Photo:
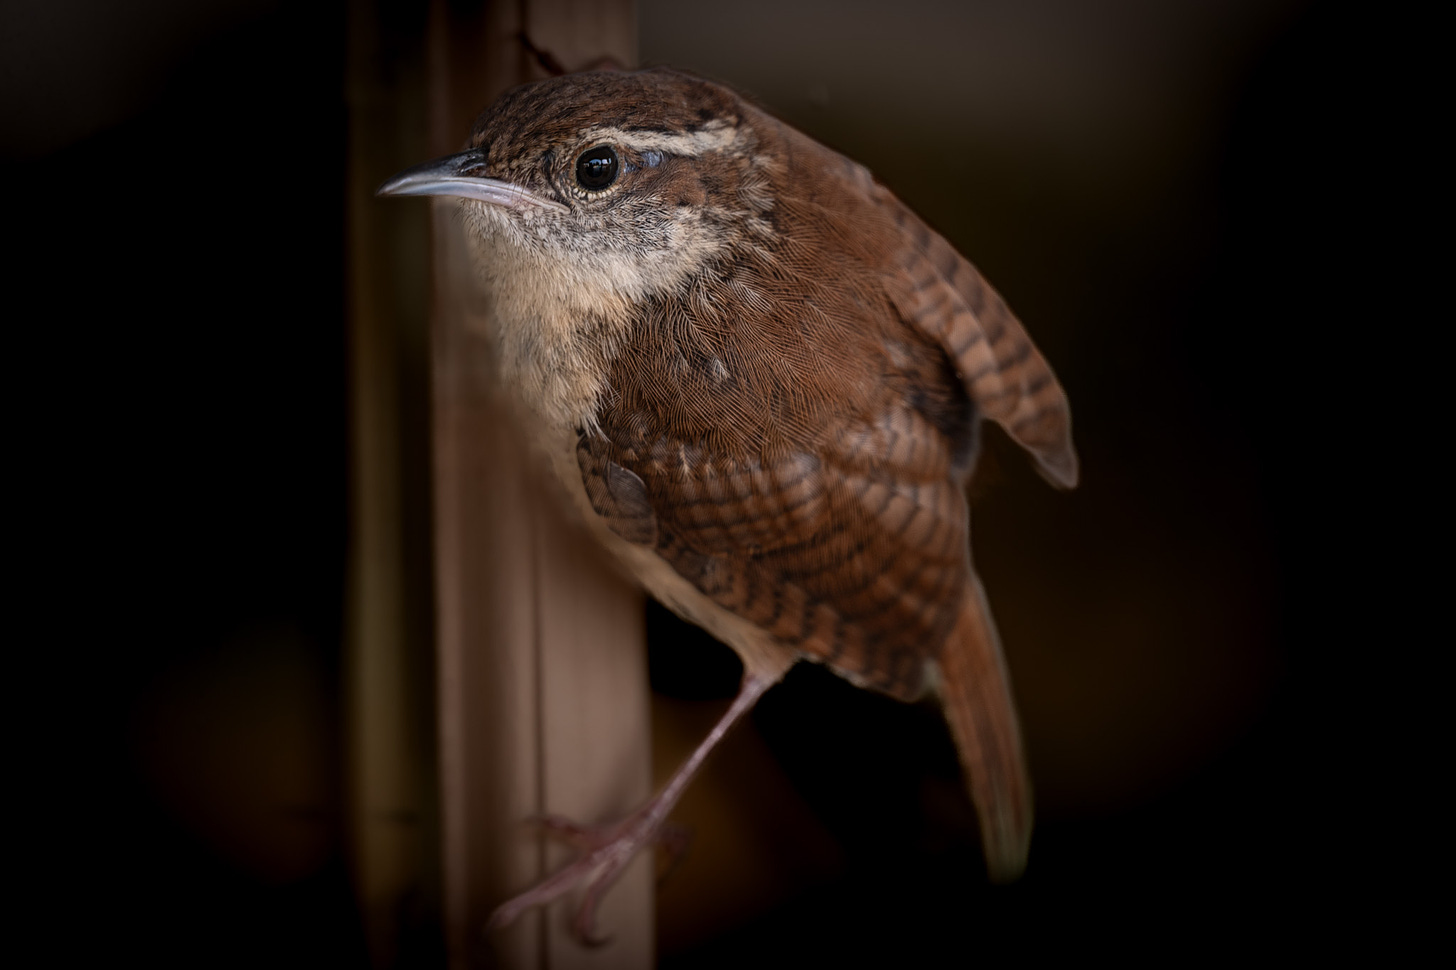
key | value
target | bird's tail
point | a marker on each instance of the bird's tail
(975, 692)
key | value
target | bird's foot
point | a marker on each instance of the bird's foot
(605, 851)
(670, 837)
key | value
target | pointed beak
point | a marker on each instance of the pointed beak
(447, 176)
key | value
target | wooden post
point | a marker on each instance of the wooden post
(543, 704)
(496, 667)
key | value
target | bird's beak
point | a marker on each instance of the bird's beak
(446, 176)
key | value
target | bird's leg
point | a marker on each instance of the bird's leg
(610, 851)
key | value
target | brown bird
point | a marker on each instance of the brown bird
(761, 378)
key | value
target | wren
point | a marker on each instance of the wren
(761, 378)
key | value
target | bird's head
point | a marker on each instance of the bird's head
(614, 187)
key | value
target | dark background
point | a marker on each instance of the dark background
(1187, 205)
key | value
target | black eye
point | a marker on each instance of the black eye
(596, 168)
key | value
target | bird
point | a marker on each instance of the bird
(761, 380)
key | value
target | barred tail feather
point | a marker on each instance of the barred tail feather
(975, 692)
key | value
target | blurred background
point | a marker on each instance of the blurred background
(1179, 200)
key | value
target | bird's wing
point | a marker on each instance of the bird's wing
(940, 292)
(842, 534)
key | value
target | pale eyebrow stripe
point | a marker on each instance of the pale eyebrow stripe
(716, 136)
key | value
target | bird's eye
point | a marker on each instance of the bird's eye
(596, 168)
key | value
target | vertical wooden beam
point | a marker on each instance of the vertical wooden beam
(542, 673)
(535, 692)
